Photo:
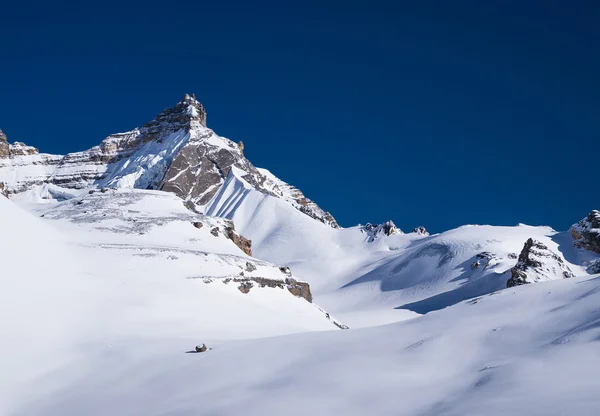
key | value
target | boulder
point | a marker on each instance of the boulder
(245, 287)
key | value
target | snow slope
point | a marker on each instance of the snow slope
(367, 282)
(529, 350)
(101, 268)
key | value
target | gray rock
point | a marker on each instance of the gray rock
(586, 232)
(537, 263)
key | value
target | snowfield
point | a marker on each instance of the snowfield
(532, 350)
(109, 291)
(119, 260)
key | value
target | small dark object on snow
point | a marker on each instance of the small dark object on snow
(198, 224)
(201, 348)
(104, 190)
(91, 191)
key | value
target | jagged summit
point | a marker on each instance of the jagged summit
(186, 113)
(175, 152)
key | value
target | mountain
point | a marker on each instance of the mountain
(119, 260)
(174, 152)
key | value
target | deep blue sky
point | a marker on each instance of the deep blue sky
(438, 113)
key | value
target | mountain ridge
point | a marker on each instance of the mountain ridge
(174, 152)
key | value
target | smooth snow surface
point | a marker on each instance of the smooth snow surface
(528, 351)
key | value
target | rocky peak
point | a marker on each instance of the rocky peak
(587, 232)
(175, 152)
(420, 230)
(374, 230)
(537, 263)
(185, 114)
(16, 149)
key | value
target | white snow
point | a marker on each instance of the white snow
(104, 292)
(531, 350)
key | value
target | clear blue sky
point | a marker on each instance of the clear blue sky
(437, 113)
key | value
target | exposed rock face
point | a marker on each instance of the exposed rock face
(245, 287)
(4, 147)
(16, 149)
(21, 149)
(483, 260)
(3, 190)
(299, 289)
(175, 152)
(295, 287)
(243, 243)
(537, 263)
(374, 230)
(587, 232)
(201, 348)
(420, 231)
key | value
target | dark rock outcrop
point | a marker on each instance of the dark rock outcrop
(374, 230)
(482, 260)
(4, 146)
(243, 243)
(299, 289)
(201, 348)
(537, 263)
(420, 230)
(587, 232)
(3, 190)
(295, 287)
(245, 287)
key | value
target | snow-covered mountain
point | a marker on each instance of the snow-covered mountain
(174, 152)
(166, 236)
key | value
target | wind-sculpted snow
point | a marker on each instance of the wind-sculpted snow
(528, 350)
(166, 237)
(366, 280)
(125, 264)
